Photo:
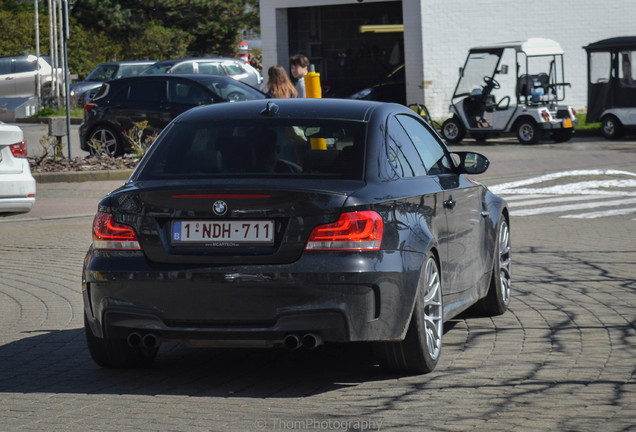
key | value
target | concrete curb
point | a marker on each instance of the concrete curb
(44, 120)
(82, 176)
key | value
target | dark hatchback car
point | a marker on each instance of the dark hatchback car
(158, 99)
(83, 91)
(295, 222)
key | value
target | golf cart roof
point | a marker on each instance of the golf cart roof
(531, 47)
(612, 43)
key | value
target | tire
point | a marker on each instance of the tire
(497, 299)
(115, 353)
(563, 135)
(528, 131)
(611, 127)
(421, 348)
(110, 140)
(453, 130)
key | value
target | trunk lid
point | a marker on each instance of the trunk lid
(246, 222)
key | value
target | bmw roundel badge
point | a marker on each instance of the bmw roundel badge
(220, 207)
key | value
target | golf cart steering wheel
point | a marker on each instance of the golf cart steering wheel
(491, 82)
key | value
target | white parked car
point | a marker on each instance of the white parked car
(17, 185)
(18, 75)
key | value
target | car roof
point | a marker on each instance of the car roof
(191, 77)
(127, 62)
(341, 109)
(197, 59)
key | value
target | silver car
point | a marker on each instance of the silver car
(230, 67)
(17, 185)
(18, 75)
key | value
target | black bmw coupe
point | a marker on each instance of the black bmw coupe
(293, 223)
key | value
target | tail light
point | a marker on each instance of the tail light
(573, 112)
(88, 107)
(546, 115)
(353, 231)
(108, 234)
(19, 150)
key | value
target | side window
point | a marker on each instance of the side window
(401, 153)
(627, 68)
(118, 96)
(211, 68)
(433, 155)
(185, 68)
(184, 92)
(147, 90)
(5, 66)
(233, 69)
(600, 67)
(24, 65)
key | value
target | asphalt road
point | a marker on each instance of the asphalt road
(561, 359)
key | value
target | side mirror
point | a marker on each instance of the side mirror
(471, 162)
(503, 70)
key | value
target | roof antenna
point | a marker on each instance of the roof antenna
(270, 110)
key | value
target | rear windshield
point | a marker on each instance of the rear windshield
(262, 148)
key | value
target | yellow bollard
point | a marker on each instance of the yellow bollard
(312, 83)
(313, 90)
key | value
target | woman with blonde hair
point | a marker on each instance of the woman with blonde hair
(278, 83)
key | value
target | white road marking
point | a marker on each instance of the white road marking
(552, 200)
(514, 187)
(596, 193)
(593, 215)
(564, 208)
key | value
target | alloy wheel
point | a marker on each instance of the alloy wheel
(505, 263)
(433, 308)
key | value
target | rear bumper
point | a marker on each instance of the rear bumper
(352, 298)
(17, 192)
(558, 124)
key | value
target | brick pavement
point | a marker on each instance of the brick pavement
(562, 358)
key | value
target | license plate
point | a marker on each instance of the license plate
(223, 233)
(567, 123)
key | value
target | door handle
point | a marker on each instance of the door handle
(450, 204)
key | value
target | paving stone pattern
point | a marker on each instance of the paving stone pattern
(562, 358)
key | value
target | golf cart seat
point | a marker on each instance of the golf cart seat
(526, 83)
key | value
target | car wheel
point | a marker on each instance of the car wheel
(563, 135)
(453, 130)
(498, 298)
(421, 348)
(109, 142)
(611, 127)
(116, 353)
(528, 132)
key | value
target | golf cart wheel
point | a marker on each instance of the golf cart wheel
(611, 127)
(528, 131)
(453, 130)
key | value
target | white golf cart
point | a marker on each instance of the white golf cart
(611, 88)
(512, 87)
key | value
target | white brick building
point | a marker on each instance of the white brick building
(437, 35)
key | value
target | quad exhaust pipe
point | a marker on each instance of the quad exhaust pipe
(136, 339)
(307, 341)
